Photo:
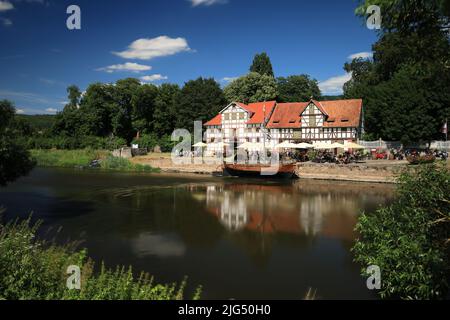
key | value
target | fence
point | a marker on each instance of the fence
(440, 145)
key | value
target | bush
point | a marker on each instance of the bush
(73, 143)
(150, 141)
(409, 239)
(32, 269)
(121, 164)
(66, 158)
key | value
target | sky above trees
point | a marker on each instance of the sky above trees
(174, 41)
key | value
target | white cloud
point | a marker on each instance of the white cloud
(5, 6)
(228, 79)
(146, 49)
(153, 77)
(6, 22)
(363, 55)
(129, 66)
(334, 85)
(196, 3)
(51, 110)
(20, 111)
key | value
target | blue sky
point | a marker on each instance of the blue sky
(169, 41)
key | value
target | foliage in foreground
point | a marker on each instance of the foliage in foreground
(82, 158)
(409, 239)
(33, 269)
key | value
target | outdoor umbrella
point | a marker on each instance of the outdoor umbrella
(352, 145)
(200, 145)
(304, 146)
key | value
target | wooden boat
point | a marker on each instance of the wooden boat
(284, 171)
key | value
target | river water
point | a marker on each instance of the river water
(240, 239)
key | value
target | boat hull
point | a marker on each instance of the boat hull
(258, 171)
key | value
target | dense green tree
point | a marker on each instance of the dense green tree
(198, 100)
(253, 87)
(297, 88)
(122, 120)
(15, 160)
(262, 65)
(403, 87)
(409, 239)
(143, 102)
(164, 118)
(74, 95)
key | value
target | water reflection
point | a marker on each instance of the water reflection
(238, 238)
(321, 209)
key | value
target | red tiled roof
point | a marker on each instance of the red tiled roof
(257, 109)
(337, 111)
(285, 113)
(216, 121)
(341, 110)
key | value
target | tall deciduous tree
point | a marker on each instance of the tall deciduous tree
(403, 87)
(164, 118)
(297, 88)
(198, 100)
(262, 65)
(253, 87)
(15, 160)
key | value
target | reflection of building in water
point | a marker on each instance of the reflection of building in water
(233, 211)
(274, 209)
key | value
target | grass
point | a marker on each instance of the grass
(82, 158)
(32, 269)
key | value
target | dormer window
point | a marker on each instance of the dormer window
(344, 120)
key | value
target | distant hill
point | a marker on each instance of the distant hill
(38, 122)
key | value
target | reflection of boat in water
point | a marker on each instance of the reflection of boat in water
(285, 171)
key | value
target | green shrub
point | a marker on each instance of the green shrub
(150, 141)
(121, 164)
(66, 158)
(33, 269)
(409, 239)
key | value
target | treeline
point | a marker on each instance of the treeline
(106, 116)
(405, 87)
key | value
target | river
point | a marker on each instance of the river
(239, 239)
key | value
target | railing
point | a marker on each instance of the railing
(381, 144)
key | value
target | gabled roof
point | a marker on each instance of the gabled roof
(287, 115)
(258, 112)
(216, 121)
(345, 113)
(338, 113)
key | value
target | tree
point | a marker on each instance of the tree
(253, 87)
(15, 160)
(262, 65)
(164, 118)
(143, 102)
(297, 88)
(74, 95)
(409, 239)
(123, 93)
(403, 87)
(199, 99)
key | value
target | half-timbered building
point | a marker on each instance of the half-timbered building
(271, 123)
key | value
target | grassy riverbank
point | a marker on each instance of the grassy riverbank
(82, 158)
(32, 269)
